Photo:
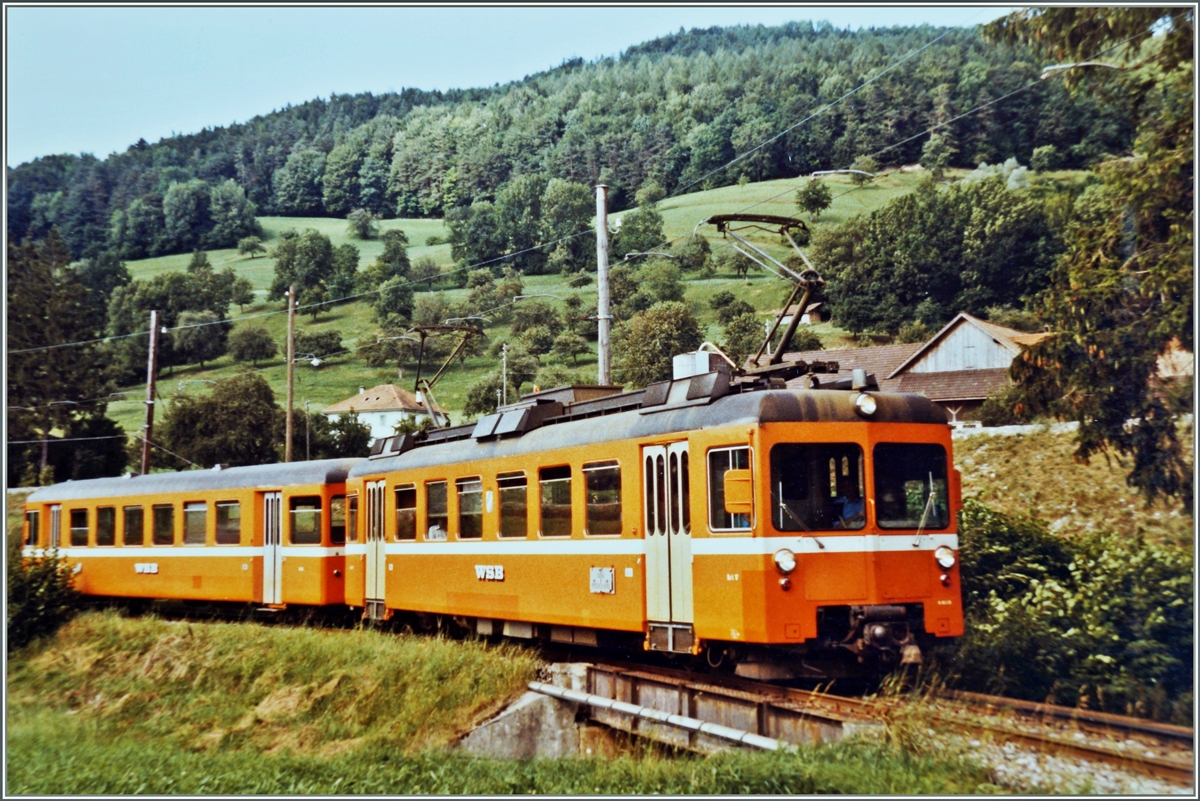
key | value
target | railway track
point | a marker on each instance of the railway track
(704, 712)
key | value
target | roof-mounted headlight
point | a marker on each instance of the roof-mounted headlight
(865, 404)
(785, 561)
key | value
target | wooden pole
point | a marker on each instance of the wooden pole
(291, 369)
(151, 377)
(603, 318)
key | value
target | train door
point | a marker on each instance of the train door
(376, 559)
(272, 552)
(55, 525)
(668, 546)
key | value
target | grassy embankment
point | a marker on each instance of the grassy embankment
(342, 375)
(114, 705)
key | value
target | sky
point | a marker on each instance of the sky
(96, 79)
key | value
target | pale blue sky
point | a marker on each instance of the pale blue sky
(95, 79)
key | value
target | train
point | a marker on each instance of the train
(778, 532)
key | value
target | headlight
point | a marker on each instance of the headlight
(864, 404)
(945, 557)
(785, 561)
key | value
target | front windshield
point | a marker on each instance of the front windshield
(817, 486)
(910, 486)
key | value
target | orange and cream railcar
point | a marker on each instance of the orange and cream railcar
(271, 535)
(686, 517)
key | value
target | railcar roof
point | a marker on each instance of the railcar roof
(324, 471)
(751, 408)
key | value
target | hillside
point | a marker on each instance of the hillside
(342, 375)
(674, 110)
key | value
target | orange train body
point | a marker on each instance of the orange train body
(772, 526)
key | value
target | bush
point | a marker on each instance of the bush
(1104, 621)
(251, 344)
(735, 308)
(321, 344)
(40, 596)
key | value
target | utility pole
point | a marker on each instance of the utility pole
(603, 318)
(307, 447)
(151, 376)
(291, 373)
(504, 373)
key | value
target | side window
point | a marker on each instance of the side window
(195, 522)
(79, 527)
(337, 520)
(556, 501)
(470, 508)
(406, 512)
(514, 505)
(106, 525)
(306, 520)
(32, 527)
(164, 524)
(229, 523)
(352, 518)
(602, 484)
(135, 526)
(720, 461)
(437, 515)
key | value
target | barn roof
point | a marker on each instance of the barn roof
(956, 385)
(324, 471)
(383, 398)
(1008, 338)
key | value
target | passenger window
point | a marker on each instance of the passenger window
(79, 527)
(602, 483)
(352, 518)
(32, 527)
(337, 520)
(436, 513)
(514, 504)
(306, 520)
(195, 522)
(720, 461)
(135, 526)
(106, 525)
(164, 524)
(556, 501)
(406, 512)
(470, 508)
(229, 523)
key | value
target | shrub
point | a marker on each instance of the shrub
(1103, 621)
(251, 344)
(40, 596)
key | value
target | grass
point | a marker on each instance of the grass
(1036, 474)
(113, 705)
(341, 376)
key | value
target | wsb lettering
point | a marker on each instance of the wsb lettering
(489, 572)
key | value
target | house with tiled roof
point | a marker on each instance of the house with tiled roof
(959, 367)
(383, 407)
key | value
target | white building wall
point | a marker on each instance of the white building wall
(965, 348)
(382, 424)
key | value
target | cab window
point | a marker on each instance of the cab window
(337, 520)
(910, 486)
(817, 486)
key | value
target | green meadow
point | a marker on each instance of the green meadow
(342, 375)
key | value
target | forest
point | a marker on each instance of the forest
(673, 111)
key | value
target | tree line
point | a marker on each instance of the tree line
(670, 111)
